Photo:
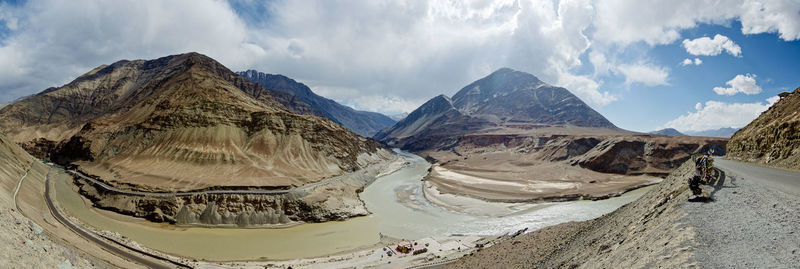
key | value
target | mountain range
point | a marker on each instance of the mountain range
(363, 123)
(725, 132)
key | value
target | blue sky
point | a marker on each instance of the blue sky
(624, 58)
(771, 59)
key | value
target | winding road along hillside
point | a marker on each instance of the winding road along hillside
(753, 220)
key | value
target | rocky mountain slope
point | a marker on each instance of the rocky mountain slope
(503, 99)
(181, 122)
(363, 123)
(667, 131)
(186, 122)
(773, 138)
(516, 112)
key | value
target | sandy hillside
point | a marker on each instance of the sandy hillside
(24, 243)
(647, 233)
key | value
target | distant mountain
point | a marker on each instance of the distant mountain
(363, 123)
(668, 131)
(726, 132)
(399, 117)
(3, 105)
(773, 138)
(503, 99)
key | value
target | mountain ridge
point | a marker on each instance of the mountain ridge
(503, 99)
(186, 110)
(364, 123)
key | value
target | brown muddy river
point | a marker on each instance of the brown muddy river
(396, 201)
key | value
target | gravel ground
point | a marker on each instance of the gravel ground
(746, 226)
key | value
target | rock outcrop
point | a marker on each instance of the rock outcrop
(363, 123)
(335, 199)
(773, 138)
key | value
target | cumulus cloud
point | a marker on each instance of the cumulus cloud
(688, 61)
(711, 47)
(714, 115)
(59, 40)
(658, 22)
(646, 74)
(740, 84)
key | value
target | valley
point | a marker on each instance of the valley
(180, 162)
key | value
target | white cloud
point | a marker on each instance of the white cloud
(658, 22)
(782, 17)
(585, 87)
(740, 84)
(58, 40)
(387, 104)
(395, 49)
(646, 74)
(688, 61)
(716, 114)
(712, 47)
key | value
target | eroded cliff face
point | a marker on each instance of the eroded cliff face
(773, 138)
(620, 153)
(333, 199)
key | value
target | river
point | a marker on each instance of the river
(396, 201)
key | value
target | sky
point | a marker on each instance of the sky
(686, 64)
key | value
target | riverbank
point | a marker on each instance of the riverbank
(649, 232)
(399, 210)
(332, 199)
(551, 182)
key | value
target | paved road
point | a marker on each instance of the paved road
(91, 236)
(777, 179)
(752, 221)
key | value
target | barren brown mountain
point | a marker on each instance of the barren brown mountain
(180, 122)
(511, 137)
(773, 138)
(186, 122)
